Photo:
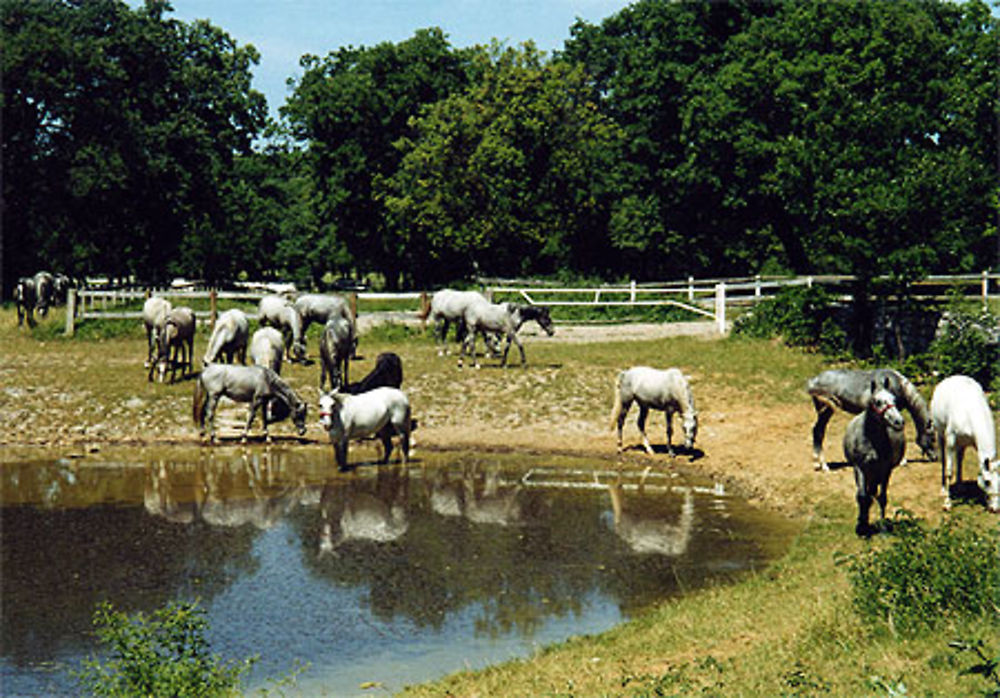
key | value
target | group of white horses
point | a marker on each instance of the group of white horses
(959, 417)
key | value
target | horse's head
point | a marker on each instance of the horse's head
(299, 350)
(545, 321)
(690, 428)
(927, 441)
(883, 405)
(299, 416)
(329, 409)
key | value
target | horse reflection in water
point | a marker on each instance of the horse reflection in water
(647, 534)
(223, 492)
(349, 514)
(481, 498)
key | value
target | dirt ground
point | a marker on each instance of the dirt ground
(76, 398)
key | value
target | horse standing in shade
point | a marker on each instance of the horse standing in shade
(505, 319)
(267, 348)
(383, 412)
(874, 445)
(44, 292)
(850, 390)
(652, 388)
(229, 338)
(177, 338)
(257, 385)
(387, 373)
(25, 298)
(275, 311)
(154, 317)
(335, 347)
(962, 418)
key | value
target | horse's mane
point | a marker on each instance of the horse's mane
(913, 401)
(281, 388)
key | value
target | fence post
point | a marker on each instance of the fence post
(756, 288)
(986, 289)
(213, 308)
(720, 306)
(70, 312)
(354, 305)
(425, 309)
(631, 292)
(691, 289)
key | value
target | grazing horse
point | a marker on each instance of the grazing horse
(154, 317)
(44, 292)
(849, 390)
(448, 306)
(382, 412)
(962, 418)
(229, 338)
(25, 297)
(504, 318)
(335, 347)
(275, 311)
(257, 385)
(267, 348)
(177, 335)
(388, 373)
(321, 308)
(874, 445)
(652, 388)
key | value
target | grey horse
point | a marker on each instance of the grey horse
(874, 445)
(154, 316)
(652, 388)
(229, 338)
(336, 345)
(321, 308)
(275, 311)
(257, 385)
(176, 338)
(503, 318)
(25, 298)
(850, 390)
(448, 307)
(267, 348)
(45, 291)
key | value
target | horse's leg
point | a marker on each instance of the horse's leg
(824, 412)
(441, 335)
(883, 497)
(322, 373)
(947, 446)
(386, 437)
(864, 500)
(641, 423)
(340, 453)
(213, 401)
(517, 341)
(668, 416)
(264, 410)
(251, 411)
(622, 413)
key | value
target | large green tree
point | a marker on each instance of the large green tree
(120, 128)
(514, 175)
(349, 108)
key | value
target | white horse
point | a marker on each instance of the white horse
(267, 348)
(503, 319)
(154, 315)
(229, 338)
(278, 312)
(448, 306)
(176, 340)
(666, 390)
(381, 412)
(874, 444)
(962, 418)
(257, 385)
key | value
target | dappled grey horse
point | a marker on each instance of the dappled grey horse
(229, 338)
(336, 345)
(176, 340)
(874, 445)
(257, 385)
(25, 298)
(447, 307)
(275, 311)
(154, 316)
(504, 319)
(323, 307)
(267, 348)
(850, 390)
(652, 388)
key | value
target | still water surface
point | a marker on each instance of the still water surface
(391, 575)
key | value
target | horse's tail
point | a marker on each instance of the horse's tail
(198, 404)
(616, 409)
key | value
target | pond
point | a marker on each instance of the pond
(384, 575)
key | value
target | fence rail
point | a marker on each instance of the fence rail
(704, 297)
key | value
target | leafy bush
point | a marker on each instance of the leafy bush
(800, 315)
(165, 654)
(927, 576)
(966, 346)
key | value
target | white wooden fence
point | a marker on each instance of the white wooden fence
(708, 298)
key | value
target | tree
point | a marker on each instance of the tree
(350, 107)
(120, 131)
(512, 176)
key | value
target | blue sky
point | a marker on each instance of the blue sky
(284, 30)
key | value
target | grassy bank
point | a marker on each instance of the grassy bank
(788, 630)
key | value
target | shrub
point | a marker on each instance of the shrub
(927, 576)
(165, 654)
(968, 345)
(800, 315)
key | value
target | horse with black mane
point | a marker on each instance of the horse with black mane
(502, 318)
